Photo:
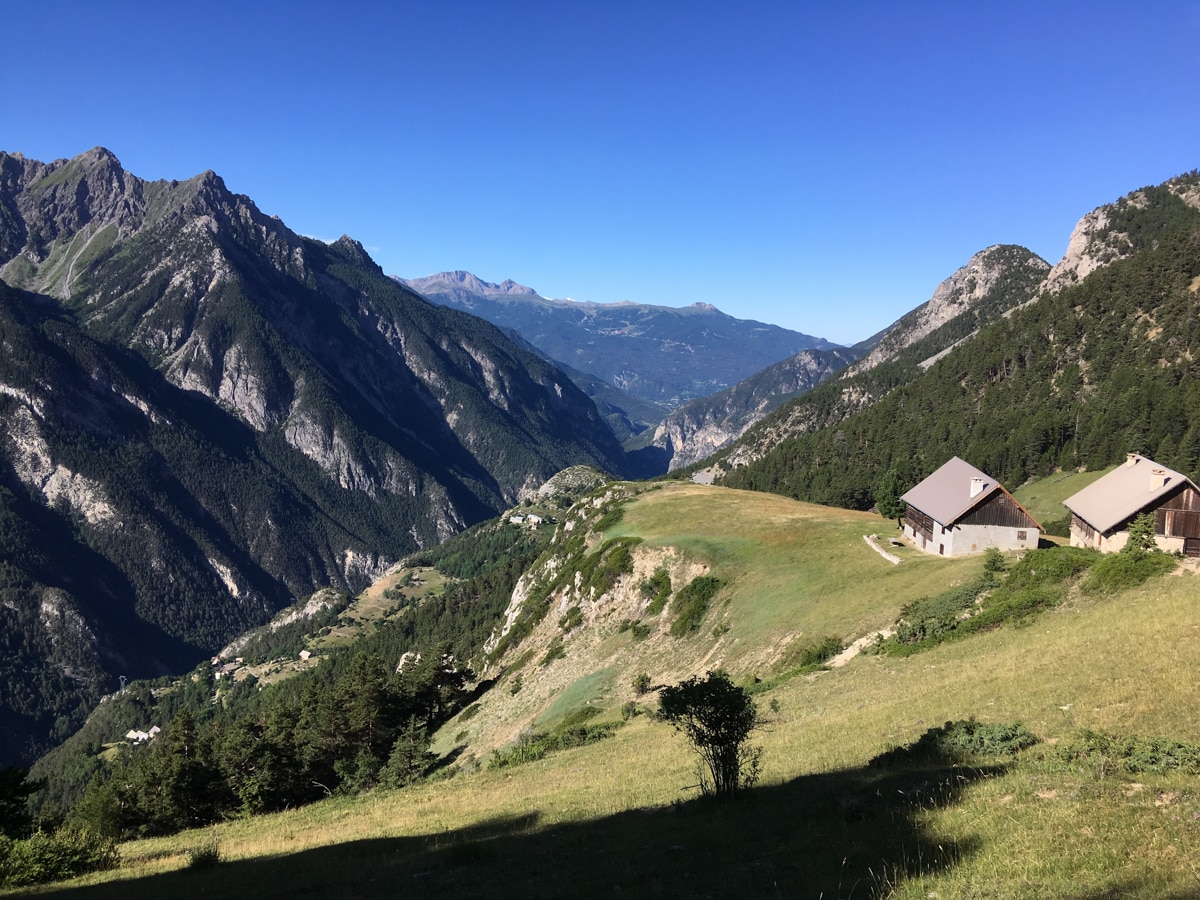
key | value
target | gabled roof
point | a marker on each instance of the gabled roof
(945, 496)
(1124, 492)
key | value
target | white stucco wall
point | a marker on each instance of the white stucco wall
(963, 540)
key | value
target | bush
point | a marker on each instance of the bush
(571, 732)
(657, 588)
(205, 856)
(1058, 527)
(717, 718)
(1116, 572)
(929, 619)
(571, 619)
(993, 561)
(45, 857)
(692, 602)
(556, 650)
(1132, 754)
(961, 742)
(636, 628)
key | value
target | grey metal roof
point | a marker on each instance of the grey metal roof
(946, 494)
(1124, 492)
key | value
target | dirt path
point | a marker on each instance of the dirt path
(858, 646)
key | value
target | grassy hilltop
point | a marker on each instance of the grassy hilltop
(1063, 818)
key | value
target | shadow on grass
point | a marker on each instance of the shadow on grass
(852, 833)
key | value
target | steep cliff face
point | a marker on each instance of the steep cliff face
(1101, 237)
(230, 415)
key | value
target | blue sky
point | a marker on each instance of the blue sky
(819, 166)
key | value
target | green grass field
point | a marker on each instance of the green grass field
(621, 817)
(1043, 498)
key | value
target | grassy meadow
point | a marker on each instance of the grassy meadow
(621, 817)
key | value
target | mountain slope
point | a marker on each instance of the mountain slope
(228, 415)
(1078, 378)
(659, 354)
(992, 282)
(700, 427)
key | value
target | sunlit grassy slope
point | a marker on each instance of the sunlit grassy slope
(1043, 498)
(620, 817)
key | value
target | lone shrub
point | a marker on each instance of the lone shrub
(993, 561)
(717, 717)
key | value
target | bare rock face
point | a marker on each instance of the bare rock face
(1095, 243)
(958, 294)
(1092, 246)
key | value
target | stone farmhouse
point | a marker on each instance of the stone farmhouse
(959, 510)
(1102, 511)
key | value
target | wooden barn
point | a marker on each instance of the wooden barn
(1102, 511)
(959, 510)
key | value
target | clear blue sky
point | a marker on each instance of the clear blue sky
(820, 166)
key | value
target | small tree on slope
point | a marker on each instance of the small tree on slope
(717, 717)
(887, 496)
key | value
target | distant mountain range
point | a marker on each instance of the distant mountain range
(206, 415)
(663, 355)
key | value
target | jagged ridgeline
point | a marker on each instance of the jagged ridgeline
(206, 415)
(1103, 362)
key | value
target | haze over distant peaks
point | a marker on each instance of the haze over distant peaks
(662, 354)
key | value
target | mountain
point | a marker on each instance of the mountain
(625, 414)
(991, 283)
(700, 427)
(659, 354)
(207, 415)
(1098, 362)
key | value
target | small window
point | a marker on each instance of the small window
(1021, 535)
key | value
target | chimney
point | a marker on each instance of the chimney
(1131, 459)
(1158, 478)
(976, 486)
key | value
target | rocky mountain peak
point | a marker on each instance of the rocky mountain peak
(965, 290)
(54, 201)
(1097, 242)
(356, 252)
(464, 281)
